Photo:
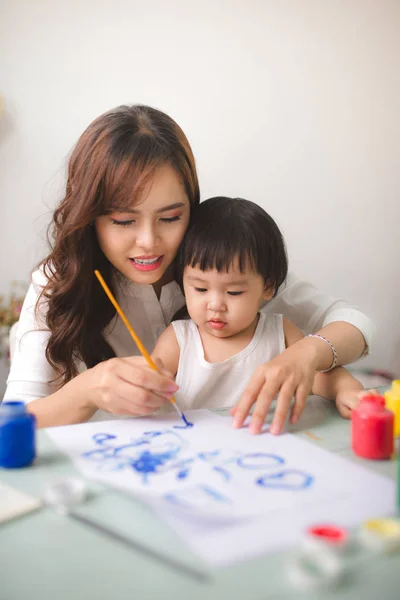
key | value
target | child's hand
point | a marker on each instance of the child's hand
(348, 400)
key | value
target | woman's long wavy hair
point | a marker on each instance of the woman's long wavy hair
(109, 167)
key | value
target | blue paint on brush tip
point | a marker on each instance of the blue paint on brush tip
(186, 425)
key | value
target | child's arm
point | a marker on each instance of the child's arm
(338, 385)
(167, 351)
(341, 386)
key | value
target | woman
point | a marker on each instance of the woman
(131, 185)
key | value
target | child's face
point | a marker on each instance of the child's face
(226, 303)
(143, 241)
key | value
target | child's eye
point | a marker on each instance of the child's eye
(122, 223)
(170, 219)
(235, 293)
(200, 289)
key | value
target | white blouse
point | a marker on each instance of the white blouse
(31, 375)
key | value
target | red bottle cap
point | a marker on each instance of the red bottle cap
(329, 534)
(372, 399)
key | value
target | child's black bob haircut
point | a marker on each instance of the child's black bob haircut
(223, 229)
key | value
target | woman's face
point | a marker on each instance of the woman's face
(142, 242)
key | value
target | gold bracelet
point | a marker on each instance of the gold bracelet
(331, 346)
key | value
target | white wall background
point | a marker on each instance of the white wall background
(293, 104)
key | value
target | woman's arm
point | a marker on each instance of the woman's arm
(32, 379)
(67, 406)
(31, 376)
(338, 385)
(348, 341)
(292, 372)
(120, 386)
(349, 330)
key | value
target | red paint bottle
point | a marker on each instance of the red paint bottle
(372, 428)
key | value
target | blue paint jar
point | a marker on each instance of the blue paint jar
(17, 435)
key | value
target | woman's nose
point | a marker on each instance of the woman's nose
(146, 238)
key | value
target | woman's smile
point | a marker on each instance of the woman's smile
(146, 263)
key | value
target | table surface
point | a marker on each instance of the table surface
(47, 556)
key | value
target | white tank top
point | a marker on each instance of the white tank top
(215, 385)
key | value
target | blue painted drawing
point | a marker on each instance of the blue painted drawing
(146, 455)
(196, 495)
(259, 460)
(288, 479)
(159, 452)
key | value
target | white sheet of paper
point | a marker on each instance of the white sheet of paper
(231, 495)
(14, 503)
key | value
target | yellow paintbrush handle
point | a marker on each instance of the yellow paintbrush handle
(127, 324)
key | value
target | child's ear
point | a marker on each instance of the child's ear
(269, 292)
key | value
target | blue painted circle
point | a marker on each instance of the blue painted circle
(259, 460)
(288, 479)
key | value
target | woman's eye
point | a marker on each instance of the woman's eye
(170, 219)
(122, 223)
(200, 289)
(235, 293)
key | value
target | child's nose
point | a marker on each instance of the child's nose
(216, 303)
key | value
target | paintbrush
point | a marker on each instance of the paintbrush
(136, 339)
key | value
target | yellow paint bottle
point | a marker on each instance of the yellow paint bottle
(392, 401)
